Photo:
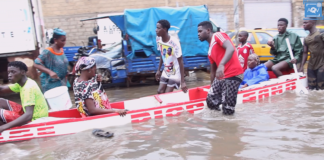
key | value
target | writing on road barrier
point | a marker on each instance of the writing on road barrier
(268, 91)
(29, 132)
(166, 112)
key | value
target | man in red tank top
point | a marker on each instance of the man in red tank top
(225, 66)
(244, 49)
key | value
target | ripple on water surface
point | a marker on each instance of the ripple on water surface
(282, 127)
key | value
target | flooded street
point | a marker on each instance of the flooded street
(280, 127)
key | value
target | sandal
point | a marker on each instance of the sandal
(102, 133)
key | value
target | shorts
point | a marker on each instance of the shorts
(275, 61)
(15, 111)
(315, 78)
(224, 92)
(170, 82)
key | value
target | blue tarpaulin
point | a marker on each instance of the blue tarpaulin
(140, 25)
(119, 21)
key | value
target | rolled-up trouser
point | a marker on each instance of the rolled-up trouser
(224, 92)
(316, 78)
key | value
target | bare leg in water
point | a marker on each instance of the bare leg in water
(3, 105)
(277, 68)
(169, 89)
(162, 88)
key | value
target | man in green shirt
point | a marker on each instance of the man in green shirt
(279, 49)
(33, 102)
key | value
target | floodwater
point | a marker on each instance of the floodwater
(280, 127)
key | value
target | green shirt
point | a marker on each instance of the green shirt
(31, 95)
(281, 51)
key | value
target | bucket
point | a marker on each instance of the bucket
(58, 98)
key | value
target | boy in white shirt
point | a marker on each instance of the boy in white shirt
(171, 55)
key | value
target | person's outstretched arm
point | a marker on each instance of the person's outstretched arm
(23, 119)
(304, 58)
(183, 83)
(93, 110)
(5, 90)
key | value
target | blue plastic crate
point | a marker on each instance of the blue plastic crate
(118, 73)
(70, 52)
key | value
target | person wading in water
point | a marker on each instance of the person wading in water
(225, 66)
(313, 43)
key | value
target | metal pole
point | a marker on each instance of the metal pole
(236, 20)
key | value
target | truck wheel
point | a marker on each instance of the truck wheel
(128, 81)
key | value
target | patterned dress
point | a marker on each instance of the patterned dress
(56, 62)
(90, 89)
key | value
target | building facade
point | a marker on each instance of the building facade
(67, 14)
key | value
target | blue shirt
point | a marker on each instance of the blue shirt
(256, 75)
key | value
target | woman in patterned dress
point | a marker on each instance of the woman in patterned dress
(90, 97)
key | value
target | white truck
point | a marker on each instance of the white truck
(22, 34)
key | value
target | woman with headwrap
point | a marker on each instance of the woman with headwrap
(255, 73)
(53, 63)
(90, 97)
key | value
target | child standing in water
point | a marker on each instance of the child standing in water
(244, 49)
(173, 73)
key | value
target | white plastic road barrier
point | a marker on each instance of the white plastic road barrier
(300, 89)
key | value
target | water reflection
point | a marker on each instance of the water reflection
(280, 127)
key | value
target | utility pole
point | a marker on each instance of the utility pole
(236, 20)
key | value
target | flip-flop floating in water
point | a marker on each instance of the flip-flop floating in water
(102, 133)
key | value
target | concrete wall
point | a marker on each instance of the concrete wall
(299, 13)
(67, 14)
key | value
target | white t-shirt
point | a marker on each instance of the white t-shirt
(170, 52)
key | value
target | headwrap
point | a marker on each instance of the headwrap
(256, 57)
(85, 63)
(56, 34)
(59, 32)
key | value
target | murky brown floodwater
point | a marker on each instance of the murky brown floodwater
(281, 127)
